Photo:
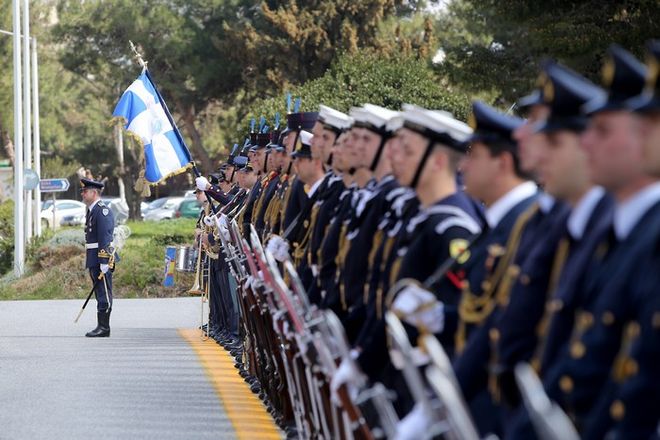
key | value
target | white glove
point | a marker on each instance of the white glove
(414, 425)
(349, 375)
(420, 308)
(248, 281)
(222, 228)
(105, 268)
(202, 183)
(208, 220)
(223, 221)
(279, 247)
(272, 244)
(256, 281)
(282, 253)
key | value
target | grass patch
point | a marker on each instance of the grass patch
(56, 267)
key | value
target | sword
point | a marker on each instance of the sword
(98, 280)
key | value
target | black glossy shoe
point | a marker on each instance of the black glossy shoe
(102, 329)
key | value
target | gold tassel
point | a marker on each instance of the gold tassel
(474, 309)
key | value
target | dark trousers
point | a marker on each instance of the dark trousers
(103, 290)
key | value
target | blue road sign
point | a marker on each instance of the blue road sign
(53, 185)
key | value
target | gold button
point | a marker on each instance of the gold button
(617, 410)
(655, 321)
(496, 250)
(513, 270)
(577, 350)
(633, 330)
(524, 279)
(630, 367)
(494, 334)
(536, 364)
(566, 384)
(608, 318)
(555, 305)
(586, 320)
(485, 285)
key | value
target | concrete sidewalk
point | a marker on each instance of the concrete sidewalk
(143, 382)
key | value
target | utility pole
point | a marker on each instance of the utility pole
(27, 126)
(19, 240)
(36, 210)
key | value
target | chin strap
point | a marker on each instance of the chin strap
(384, 137)
(422, 162)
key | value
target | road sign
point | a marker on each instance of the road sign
(53, 185)
(30, 180)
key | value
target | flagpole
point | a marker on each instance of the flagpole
(195, 170)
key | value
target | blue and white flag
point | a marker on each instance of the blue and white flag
(148, 118)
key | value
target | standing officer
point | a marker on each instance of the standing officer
(99, 229)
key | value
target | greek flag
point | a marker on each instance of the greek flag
(149, 119)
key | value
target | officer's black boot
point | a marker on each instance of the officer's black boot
(102, 330)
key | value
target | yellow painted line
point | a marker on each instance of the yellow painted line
(245, 410)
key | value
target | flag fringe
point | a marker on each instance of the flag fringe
(142, 185)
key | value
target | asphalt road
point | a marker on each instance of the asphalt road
(144, 382)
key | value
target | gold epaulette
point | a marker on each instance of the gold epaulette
(378, 240)
(552, 306)
(474, 309)
(344, 246)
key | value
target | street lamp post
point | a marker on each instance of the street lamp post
(36, 210)
(27, 126)
(19, 244)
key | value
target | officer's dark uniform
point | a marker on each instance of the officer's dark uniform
(301, 234)
(296, 198)
(488, 276)
(538, 258)
(99, 229)
(270, 188)
(615, 301)
(633, 407)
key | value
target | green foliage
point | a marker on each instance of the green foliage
(495, 46)
(368, 77)
(56, 167)
(6, 236)
(56, 263)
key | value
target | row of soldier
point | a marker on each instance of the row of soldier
(518, 248)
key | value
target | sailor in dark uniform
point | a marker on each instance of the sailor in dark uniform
(325, 286)
(368, 138)
(100, 253)
(327, 130)
(310, 171)
(432, 146)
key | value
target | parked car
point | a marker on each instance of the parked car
(189, 208)
(63, 208)
(150, 206)
(118, 207)
(119, 211)
(165, 212)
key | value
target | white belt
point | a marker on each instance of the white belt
(91, 246)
